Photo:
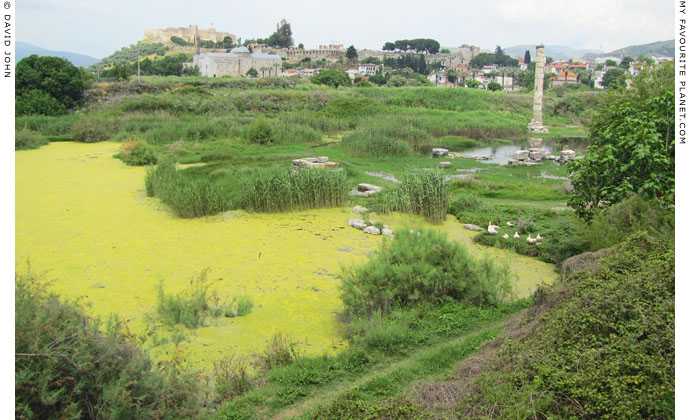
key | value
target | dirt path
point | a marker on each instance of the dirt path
(331, 392)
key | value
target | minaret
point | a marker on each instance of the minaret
(196, 38)
(537, 124)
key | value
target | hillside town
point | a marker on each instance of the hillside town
(419, 62)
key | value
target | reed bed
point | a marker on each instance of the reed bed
(275, 189)
(187, 196)
(420, 192)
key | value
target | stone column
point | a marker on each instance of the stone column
(537, 124)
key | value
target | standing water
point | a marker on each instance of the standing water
(83, 220)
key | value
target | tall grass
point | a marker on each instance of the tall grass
(276, 189)
(362, 144)
(28, 139)
(420, 192)
(187, 196)
(189, 308)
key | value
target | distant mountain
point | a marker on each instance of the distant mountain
(22, 49)
(554, 51)
(659, 48)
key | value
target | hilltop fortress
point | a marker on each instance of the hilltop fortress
(188, 34)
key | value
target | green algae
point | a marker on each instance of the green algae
(83, 219)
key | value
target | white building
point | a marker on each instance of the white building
(237, 63)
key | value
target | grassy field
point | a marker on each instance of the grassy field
(222, 204)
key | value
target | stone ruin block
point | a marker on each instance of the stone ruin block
(444, 164)
(368, 188)
(438, 152)
(522, 155)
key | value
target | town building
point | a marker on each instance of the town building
(237, 63)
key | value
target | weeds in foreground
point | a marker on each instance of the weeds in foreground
(190, 307)
(281, 350)
(231, 376)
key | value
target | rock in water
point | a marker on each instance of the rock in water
(360, 209)
(470, 226)
(372, 230)
(368, 187)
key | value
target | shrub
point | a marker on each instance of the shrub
(231, 376)
(28, 139)
(136, 152)
(421, 266)
(189, 308)
(351, 107)
(38, 102)
(280, 351)
(240, 306)
(90, 129)
(70, 366)
(260, 131)
(606, 349)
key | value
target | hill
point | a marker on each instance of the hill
(554, 51)
(663, 48)
(24, 50)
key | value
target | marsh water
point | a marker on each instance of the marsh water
(501, 154)
(84, 222)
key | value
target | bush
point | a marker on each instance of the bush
(605, 351)
(231, 376)
(70, 366)
(280, 351)
(421, 266)
(260, 131)
(240, 306)
(136, 152)
(38, 102)
(189, 308)
(28, 139)
(90, 129)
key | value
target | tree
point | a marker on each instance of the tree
(610, 63)
(252, 72)
(614, 78)
(351, 53)
(42, 78)
(300, 46)
(388, 46)
(282, 37)
(625, 62)
(494, 86)
(334, 78)
(471, 83)
(445, 51)
(452, 75)
(528, 57)
(633, 146)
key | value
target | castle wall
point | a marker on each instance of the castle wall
(164, 35)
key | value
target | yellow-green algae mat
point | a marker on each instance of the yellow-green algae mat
(84, 221)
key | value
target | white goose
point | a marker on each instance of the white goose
(506, 236)
(539, 238)
(492, 229)
(511, 224)
(531, 240)
(516, 236)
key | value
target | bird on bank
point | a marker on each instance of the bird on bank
(492, 229)
(539, 238)
(511, 224)
(516, 236)
(531, 240)
(506, 236)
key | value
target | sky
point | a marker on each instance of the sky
(98, 28)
